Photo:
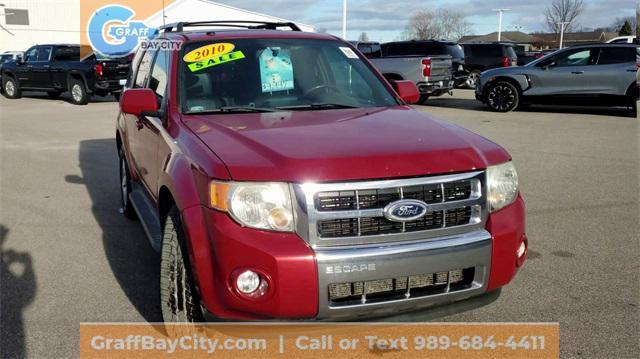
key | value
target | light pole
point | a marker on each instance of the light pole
(344, 19)
(500, 12)
(562, 26)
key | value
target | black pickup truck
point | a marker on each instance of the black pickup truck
(55, 69)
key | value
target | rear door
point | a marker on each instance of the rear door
(616, 69)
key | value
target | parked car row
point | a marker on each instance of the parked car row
(57, 68)
(467, 61)
(598, 74)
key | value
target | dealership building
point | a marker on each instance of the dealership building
(24, 23)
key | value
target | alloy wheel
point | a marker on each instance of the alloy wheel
(10, 88)
(502, 97)
(76, 92)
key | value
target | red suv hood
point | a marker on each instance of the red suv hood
(341, 145)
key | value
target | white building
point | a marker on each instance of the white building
(24, 23)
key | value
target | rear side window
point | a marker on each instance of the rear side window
(415, 49)
(67, 54)
(44, 53)
(616, 55)
(487, 50)
(370, 50)
(143, 69)
(159, 74)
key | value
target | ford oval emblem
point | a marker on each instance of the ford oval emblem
(405, 210)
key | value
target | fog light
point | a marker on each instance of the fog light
(248, 282)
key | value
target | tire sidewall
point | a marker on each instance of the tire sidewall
(78, 85)
(174, 257)
(16, 88)
(504, 84)
(127, 208)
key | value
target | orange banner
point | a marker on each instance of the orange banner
(331, 340)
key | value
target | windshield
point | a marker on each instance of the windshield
(277, 74)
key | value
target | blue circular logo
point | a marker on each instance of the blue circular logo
(405, 210)
(112, 31)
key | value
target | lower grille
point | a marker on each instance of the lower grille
(371, 226)
(383, 290)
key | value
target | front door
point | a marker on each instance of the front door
(567, 74)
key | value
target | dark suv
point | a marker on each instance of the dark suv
(485, 56)
(432, 47)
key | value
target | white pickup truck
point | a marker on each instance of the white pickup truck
(432, 74)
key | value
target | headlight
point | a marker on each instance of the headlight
(256, 205)
(502, 185)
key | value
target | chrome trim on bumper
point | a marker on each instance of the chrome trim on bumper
(471, 249)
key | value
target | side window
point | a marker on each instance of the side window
(67, 54)
(159, 74)
(31, 55)
(135, 62)
(616, 55)
(581, 57)
(346, 77)
(44, 53)
(143, 69)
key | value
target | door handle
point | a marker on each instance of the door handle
(577, 72)
(139, 125)
(632, 70)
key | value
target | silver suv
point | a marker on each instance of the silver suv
(599, 74)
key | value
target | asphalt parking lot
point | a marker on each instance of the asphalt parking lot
(68, 256)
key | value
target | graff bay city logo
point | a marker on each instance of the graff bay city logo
(113, 31)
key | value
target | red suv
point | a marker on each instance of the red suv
(282, 177)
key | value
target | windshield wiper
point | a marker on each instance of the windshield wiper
(317, 106)
(246, 109)
(233, 109)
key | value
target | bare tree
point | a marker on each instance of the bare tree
(363, 37)
(437, 24)
(563, 11)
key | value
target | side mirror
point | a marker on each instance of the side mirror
(407, 91)
(550, 65)
(139, 102)
(19, 60)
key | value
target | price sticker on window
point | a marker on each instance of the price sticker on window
(209, 51)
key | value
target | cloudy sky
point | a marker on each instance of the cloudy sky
(384, 20)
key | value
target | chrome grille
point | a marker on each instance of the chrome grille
(337, 214)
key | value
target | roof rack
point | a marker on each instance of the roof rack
(257, 25)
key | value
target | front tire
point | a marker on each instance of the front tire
(78, 92)
(125, 188)
(178, 298)
(503, 97)
(11, 89)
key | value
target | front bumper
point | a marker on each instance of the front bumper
(299, 278)
(401, 261)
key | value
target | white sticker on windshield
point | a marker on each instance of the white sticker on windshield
(348, 52)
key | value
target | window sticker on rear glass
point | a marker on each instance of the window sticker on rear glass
(209, 51)
(276, 70)
(214, 61)
(348, 52)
